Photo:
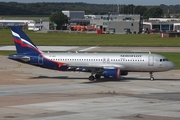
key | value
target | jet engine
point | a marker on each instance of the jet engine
(112, 73)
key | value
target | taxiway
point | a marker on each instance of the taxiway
(32, 93)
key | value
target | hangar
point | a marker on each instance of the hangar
(29, 24)
(7, 23)
(162, 24)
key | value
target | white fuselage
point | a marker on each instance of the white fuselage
(131, 62)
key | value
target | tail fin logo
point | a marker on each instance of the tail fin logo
(24, 43)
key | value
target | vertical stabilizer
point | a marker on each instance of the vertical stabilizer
(22, 42)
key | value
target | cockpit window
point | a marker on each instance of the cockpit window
(165, 59)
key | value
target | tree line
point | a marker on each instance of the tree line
(48, 8)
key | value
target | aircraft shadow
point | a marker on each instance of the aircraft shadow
(79, 78)
(129, 80)
(106, 80)
(124, 79)
(156, 79)
(57, 77)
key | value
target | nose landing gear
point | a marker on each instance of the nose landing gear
(151, 76)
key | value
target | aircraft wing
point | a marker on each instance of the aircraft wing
(93, 67)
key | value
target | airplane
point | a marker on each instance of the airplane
(108, 65)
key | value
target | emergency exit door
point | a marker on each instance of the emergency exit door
(151, 60)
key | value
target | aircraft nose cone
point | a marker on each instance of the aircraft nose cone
(171, 65)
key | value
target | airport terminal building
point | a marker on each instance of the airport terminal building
(162, 24)
(117, 23)
(122, 23)
(110, 23)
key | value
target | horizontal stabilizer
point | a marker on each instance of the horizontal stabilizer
(19, 57)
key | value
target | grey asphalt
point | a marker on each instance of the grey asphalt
(41, 94)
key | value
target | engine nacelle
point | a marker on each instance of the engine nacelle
(112, 73)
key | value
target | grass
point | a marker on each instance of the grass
(6, 53)
(174, 57)
(83, 39)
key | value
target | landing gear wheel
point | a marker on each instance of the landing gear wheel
(151, 76)
(92, 79)
(97, 76)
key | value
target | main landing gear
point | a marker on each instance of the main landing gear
(94, 78)
(151, 76)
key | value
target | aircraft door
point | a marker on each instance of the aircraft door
(40, 60)
(151, 60)
(106, 60)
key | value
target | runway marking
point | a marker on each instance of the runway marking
(86, 49)
(18, 66)
(5, 68)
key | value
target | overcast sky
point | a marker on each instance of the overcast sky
(135, 2)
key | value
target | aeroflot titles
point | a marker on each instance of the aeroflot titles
(130, 55)
(120, 56)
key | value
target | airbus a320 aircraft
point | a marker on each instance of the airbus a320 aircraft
(109, 65)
